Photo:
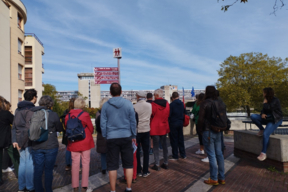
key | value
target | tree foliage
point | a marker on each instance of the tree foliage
(278, 4)
(243, 78)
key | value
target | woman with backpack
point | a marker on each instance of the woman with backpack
(101, 142)
(211, 138)
(80, 148)
(195, 111)
(6, 120)
(271, 115)
(44, 153)
(68, 158)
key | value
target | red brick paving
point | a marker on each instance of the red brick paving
(180, 175)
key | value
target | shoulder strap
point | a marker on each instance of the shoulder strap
(80, 114)
(46, 119)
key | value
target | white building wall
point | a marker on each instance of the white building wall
(5, 74)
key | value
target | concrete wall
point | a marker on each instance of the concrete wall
(5, 74)
(37, 52)
(95, 95)
(248, 141)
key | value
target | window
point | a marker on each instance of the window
(19, 46)
(19, 21)
(20, 69)
(28, 55)
(28, 77)
(20, 93)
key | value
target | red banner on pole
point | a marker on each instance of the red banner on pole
(96, 69)
(105, 73)
(99, 78)
(106, 82)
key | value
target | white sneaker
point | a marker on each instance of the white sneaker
(200, 152)
(7, 170)
(206, 160)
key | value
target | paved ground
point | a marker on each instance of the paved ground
(182, 175)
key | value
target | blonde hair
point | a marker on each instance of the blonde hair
(79, 103)
(103, 100)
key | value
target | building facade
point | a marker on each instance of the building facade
(5, 74)
(88, 89)
(66, 95)
(34, 67)
(13, 75)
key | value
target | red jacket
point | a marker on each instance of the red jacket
(159, 118)
(88, 142)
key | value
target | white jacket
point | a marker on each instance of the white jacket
(144, 111)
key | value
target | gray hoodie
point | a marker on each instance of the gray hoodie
(118, 119)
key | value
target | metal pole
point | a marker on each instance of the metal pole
(119, 70)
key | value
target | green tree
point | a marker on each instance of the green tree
(243, 78)
(51, 91)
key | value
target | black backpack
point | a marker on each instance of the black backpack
(219, 118)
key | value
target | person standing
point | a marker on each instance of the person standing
(176, 119)
(150, 100)
(211, 139)
(118, 125)
(6, 120)
(144, 111)
(101, 142)
(20, 140)
(271, 115)
(195, 111)
(82, 148)
(68, 157)
(160, 127)
(44, 153)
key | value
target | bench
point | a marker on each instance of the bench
(250, 122)
(248, 145)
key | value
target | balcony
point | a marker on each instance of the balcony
(33, 35)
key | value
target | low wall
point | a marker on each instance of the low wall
(248, 145)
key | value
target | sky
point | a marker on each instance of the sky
(163, 42)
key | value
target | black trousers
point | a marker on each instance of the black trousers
(199, 136)
(15, 157)
(143, 139)
(177, 140)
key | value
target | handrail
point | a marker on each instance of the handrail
(33, 35)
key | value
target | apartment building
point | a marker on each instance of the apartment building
(34, 68)
(13, 41)
(89, 89)
(66, 95)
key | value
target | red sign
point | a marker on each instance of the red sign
(96, 69)
(99, 78)
(106, 82)
(105, 73)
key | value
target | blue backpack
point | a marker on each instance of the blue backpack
(74, 128)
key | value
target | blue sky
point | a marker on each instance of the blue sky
(163, 42)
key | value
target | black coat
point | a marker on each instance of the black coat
(6, 120)
(275, 107)
(101, 142)
(177, 112)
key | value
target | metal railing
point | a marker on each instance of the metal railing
(33, 35)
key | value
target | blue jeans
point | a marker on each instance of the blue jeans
(269, 129)
(103, 161)
(26, 170)
(44, 159)
(215, 155)
(68, 158)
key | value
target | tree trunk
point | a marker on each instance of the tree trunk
(248, 110)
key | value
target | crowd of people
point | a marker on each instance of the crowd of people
(124, 131)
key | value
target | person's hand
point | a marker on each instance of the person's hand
(263, 116)
(265, 101)
(15, 145)
(134, 141)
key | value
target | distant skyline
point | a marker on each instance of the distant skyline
(163, 42)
